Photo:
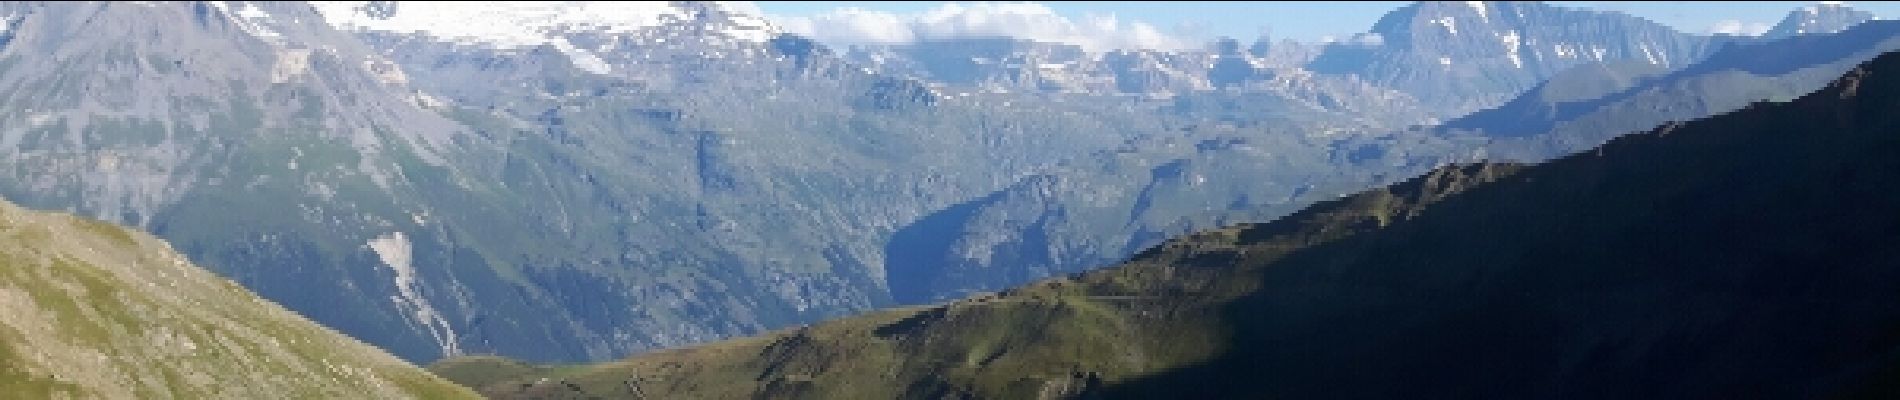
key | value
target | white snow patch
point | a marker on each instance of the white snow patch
(424, 100)
(249, 18)
(752, 27)
(395, 251)
(518, 24)
(583, 59)
(529, 23)
(500, 23)
(1648, 55)
(1450, 24)
(1444, 61)
(1482, 9)
(1511, 44)
(40, 119)
(1597, 51)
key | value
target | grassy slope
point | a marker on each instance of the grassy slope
(1750, 254)
(93, 310)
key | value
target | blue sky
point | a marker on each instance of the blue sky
(1195, 22)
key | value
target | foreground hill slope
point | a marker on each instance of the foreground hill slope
(92, 310)
(1748, 254)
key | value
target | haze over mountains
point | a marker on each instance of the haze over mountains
(578, 182)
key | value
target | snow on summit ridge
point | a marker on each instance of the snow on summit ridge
(526, 23)
(520, 24)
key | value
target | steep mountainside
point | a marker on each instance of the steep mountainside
(93, 310)
(1750, 254)
(1097, 210)
(511, 179)
(580, 181)
(696, 183)
(188, 118)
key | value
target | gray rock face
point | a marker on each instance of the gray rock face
(1465, 56)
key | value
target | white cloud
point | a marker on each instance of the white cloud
(851, 25)
(1737, 27)
(1367, 39)
(1032, 21)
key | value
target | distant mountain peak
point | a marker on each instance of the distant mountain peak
(1466, 55)
(531, 23)
(1820, 18)
(525, 24)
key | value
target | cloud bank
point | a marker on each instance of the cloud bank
(1031, 21)
(1738, 28)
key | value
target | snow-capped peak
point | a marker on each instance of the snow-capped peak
(1481, 8)
(524, 23)
(250, 18)
(1820, 18)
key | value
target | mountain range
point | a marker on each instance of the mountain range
(1097, 210)
(1748, 254)
(583, 181)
